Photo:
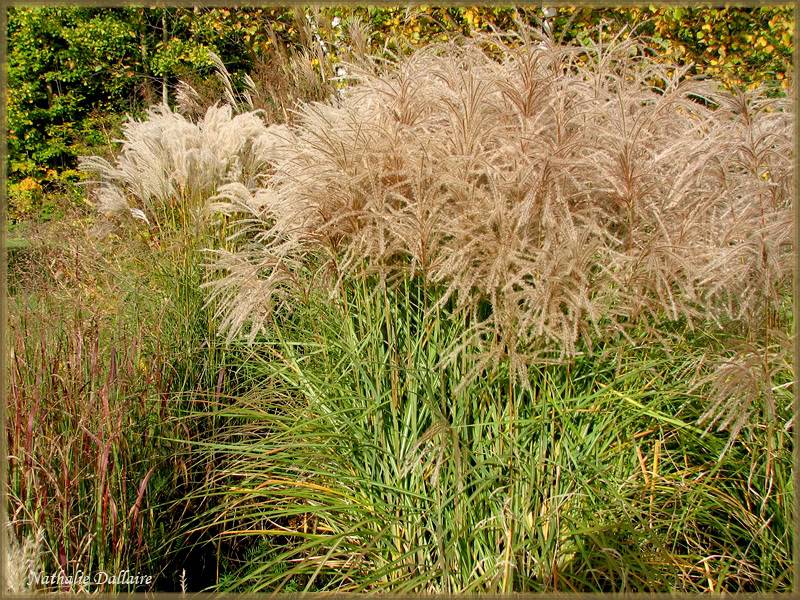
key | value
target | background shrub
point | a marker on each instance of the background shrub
(68, 65)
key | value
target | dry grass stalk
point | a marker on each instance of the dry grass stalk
(22, 562)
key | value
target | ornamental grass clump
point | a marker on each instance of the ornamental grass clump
(168, 166)
(89, 468)
(566, 195)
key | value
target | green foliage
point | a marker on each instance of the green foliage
(22, 196)
(740, 46)
(357, 462)
(74, 72)
(239, 34)
(55, 56)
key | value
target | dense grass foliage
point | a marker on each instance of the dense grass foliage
(110, 344)
(358, 463)
(86, 408)
(501, 314)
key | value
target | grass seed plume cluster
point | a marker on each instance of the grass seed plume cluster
(168, 166)
(576, 192)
